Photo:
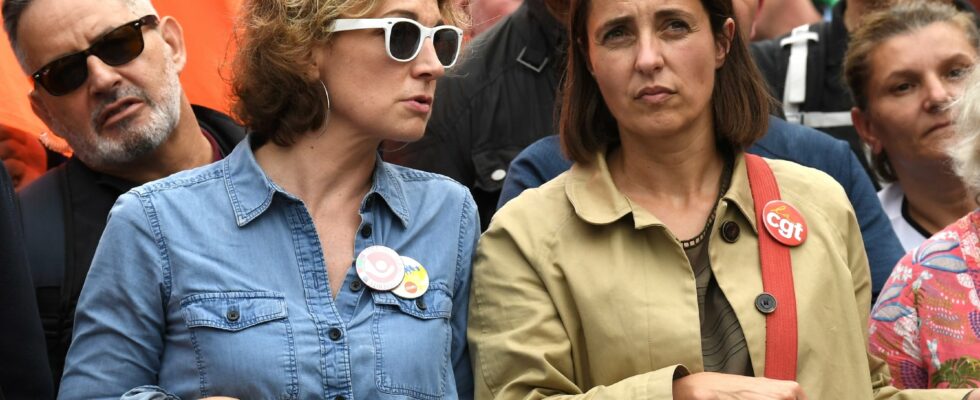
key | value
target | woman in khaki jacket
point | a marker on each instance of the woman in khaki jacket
(636, 274)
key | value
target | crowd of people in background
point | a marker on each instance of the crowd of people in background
(490, 199)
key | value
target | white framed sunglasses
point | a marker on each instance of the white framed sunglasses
(404, 37)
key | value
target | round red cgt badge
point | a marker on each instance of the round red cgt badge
(784, 223)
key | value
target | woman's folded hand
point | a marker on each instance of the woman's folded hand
(716, 386)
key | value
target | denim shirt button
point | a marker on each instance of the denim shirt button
(366, 231)
(232, 315)
(356, 286)
(335, 334)
(340, 398)
(420, 303)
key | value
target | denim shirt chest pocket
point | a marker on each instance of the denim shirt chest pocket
(242, 334)
(412, 340)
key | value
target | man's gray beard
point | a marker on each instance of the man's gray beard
(132, 141)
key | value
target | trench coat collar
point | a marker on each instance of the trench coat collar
(596, 199)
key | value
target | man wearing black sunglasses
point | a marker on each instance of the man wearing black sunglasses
(105, 78)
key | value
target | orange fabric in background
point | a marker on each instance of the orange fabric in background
(208, 29)
(207, 35)
(15, 110)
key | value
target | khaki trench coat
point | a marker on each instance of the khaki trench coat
(577, 291)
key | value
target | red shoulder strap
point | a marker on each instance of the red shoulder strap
(777, 277)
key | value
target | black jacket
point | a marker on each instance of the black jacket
(64, 214)
(825, 88)
(496, 102)
(24, 372)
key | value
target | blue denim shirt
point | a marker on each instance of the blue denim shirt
(542, 161)
(212, 283)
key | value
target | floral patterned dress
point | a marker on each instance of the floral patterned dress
(926, 323)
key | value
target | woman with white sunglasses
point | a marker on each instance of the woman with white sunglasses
(301, 265)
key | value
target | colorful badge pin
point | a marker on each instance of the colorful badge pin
(380, 268)
(784, 223)
(416, 281)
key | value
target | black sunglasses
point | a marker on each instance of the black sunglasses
(119, 46)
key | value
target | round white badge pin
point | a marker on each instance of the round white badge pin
(380, 268)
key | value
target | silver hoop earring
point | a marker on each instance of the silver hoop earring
(326, 93)
(326, 118)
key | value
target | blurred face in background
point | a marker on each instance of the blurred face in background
(745, 13)
(914, 77)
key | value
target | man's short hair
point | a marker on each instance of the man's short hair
(14, 9)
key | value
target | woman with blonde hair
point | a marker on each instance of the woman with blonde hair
(300, 266)
(904, 65)
(926, 324)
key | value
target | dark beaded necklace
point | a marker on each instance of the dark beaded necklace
(723, 183)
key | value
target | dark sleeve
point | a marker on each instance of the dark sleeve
(880, 242)
(540, 162)
(24, 372)
(42, 215)
(768, 57)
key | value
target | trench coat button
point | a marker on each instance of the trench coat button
(420, 303)
(356, 286)
(730, 231)
(765, 303)
(233, 315)
(498, 175)
(366, 231)
(335, 334)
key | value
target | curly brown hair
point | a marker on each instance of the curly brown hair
(272, 95)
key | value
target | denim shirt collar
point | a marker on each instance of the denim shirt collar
(251, 191)
(387, 184)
